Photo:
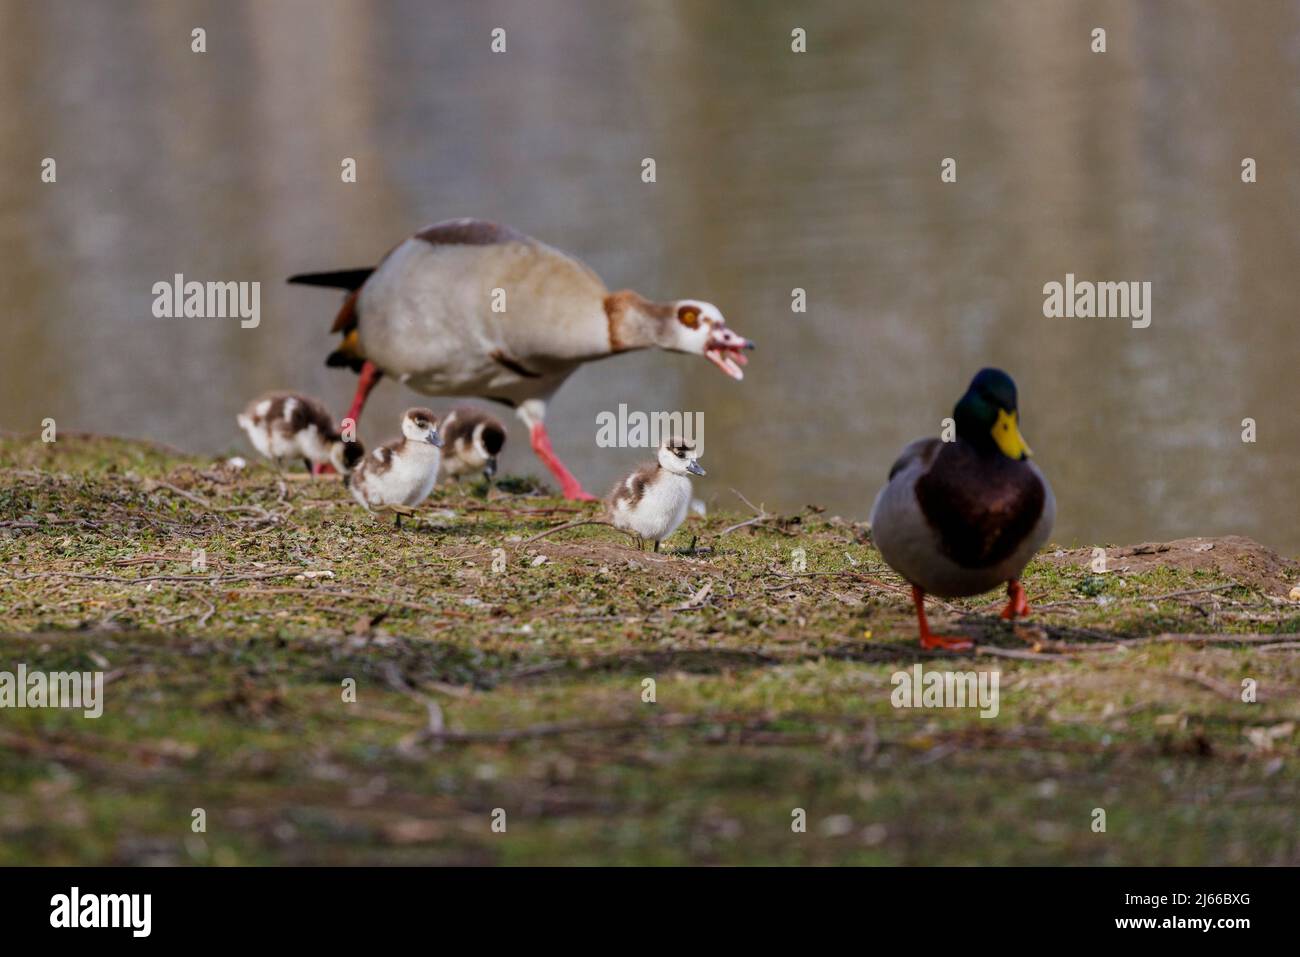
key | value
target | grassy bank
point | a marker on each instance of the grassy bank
(229, 609)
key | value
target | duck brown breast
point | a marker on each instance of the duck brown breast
(981, 507)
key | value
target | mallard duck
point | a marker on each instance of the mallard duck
(467, 307)
(653, 501)
(960, 518)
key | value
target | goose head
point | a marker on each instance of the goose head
(421, 425)
(699, 327)
(678, 456)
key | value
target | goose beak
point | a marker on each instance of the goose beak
(694, 468)
(490, 469)
(726, 350)
(435, 439)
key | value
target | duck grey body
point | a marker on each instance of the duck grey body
(968, 559)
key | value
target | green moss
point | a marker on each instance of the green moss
(772, 688)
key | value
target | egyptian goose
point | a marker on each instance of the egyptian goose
(959, 518)
(282, 425)
(471, 441)
(467, 307)
(402, 472)
(653, 501)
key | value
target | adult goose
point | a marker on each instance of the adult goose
(471, 308)
(960, 518)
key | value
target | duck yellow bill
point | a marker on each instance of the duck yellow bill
(1006, 433)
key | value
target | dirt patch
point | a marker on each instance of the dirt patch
(1231, 557)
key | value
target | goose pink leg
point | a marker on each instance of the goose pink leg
(570, 485)
(369, 378)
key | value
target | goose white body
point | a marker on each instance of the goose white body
(426, 316)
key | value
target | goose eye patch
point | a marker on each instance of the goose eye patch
(690, 318)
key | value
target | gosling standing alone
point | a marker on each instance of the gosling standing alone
(400, 473)
(653, 501)
(959, 518)
(282, 426)
(471, 441)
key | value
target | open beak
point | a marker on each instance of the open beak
(435, 439)
(694, 468)
(726, 350)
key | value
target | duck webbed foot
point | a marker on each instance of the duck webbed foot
(1017, 607)
(929, 640)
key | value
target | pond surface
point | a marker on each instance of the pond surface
(775, 171)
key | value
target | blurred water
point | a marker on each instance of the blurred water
(775, 171)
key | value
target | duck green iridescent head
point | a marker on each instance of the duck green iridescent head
(987, 417)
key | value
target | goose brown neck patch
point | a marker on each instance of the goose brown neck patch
(623, 309)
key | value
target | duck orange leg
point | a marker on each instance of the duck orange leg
(929, 639)
(369, 378)
(541, 443)
(1017, 607)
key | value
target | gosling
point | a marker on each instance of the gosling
(400, 474)
(284, 426)
(653, 501)
(472, 440)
